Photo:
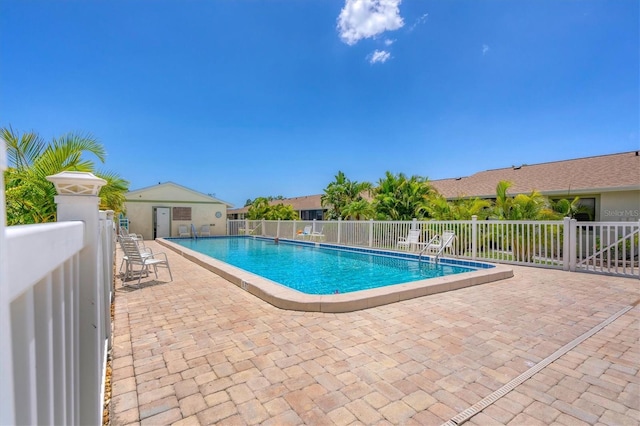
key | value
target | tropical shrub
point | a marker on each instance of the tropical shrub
(29, 195)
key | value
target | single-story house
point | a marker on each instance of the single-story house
(157, 211)
(309, 207)
(608, 185)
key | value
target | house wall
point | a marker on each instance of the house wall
(621, 206)
(169, 192)
(140, 209)
(140, 216)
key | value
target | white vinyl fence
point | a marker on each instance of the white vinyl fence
(55, 323)
(601, 247)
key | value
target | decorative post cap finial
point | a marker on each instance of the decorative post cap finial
(77, 183)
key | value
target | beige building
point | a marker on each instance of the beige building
(608, 185)
(157, 211)
(309, 207)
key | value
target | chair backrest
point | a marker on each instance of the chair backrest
(182, 229)
(413, 236)
(204, 229)
(307, 230)
(131, 249)
(447, 239)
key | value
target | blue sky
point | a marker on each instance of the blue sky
(251, 98)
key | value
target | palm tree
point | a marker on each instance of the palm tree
(283, 212)
(261, 208)
(340, 193)
(522, 207)
(333, 197)
(29, 196)
(258, 209)
(461, 209)
(528, 207)
(400, 198)
(359, 210)
(503, 203)
(566, 208)
(465, 208)
(438, 208)
(112, 194)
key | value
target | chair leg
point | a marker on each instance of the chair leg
(155, 270)
(168, 268)
(142, 270)
(128, 272)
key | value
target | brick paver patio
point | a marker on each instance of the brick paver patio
(200, 350)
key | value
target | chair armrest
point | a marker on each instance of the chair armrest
(163, 254)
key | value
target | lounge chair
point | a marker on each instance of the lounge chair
(144, 251)
(125, 233)
(205, 231)
(133, 256)
(439, 243)
(183, 231)
(306, 232)
(317, 235)
(411, 241)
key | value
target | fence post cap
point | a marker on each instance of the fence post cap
(77, 183)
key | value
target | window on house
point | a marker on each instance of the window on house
(587, 210)
(311, 215)
(182, 213)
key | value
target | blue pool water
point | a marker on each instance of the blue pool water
(315, 270)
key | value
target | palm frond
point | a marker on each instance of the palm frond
(22, 150)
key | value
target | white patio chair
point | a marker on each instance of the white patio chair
(144, 250)
(306, 233)
(133, 256)
(183, 231)
(125, 233)
(205, 231)
(317, 235)
(410, 241)
(439, 243)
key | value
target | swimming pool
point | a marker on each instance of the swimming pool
(284, 297)
(317, 270)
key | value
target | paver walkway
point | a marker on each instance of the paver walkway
(200, 350)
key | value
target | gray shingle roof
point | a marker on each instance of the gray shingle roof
(562, 178)
(307, 202)
(566, 178)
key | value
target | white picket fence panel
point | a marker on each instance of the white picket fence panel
(56, 288)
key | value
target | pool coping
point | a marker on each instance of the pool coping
(284, 297)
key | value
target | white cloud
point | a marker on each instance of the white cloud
(367, 18)
(381, 56)
(388, 42)
(485, 49)
(419, 21)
